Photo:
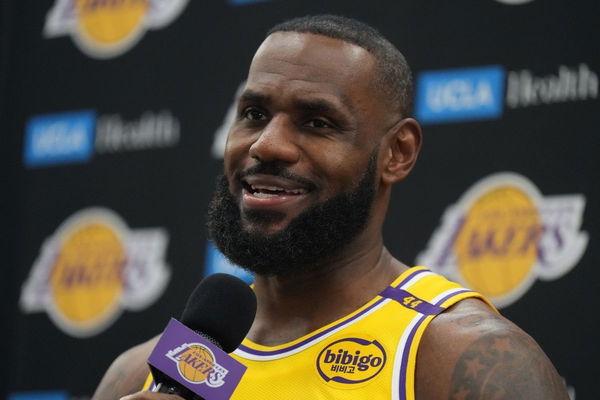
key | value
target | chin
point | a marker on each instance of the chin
(261, 221)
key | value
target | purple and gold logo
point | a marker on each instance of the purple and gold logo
(92, 268)
(503, 234)
(105, 29)
(197, 364)
(350, 361)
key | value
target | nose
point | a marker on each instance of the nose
(276, 142)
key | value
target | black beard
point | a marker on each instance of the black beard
(317, 235)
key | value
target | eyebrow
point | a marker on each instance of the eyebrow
(318, 105)
(250, 96)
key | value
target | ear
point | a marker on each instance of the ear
(402, 146)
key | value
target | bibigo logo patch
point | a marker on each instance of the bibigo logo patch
(503, 234)
(105, 29)
(92, 268)
(350, 361)
(197, 364)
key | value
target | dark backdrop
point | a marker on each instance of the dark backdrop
(178, 81)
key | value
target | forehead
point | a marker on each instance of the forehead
(305, 63)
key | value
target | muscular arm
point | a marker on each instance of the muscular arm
(126, 374)
(471, 353)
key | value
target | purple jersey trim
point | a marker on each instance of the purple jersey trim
(409, 301)
(411, 336)
(326, 331)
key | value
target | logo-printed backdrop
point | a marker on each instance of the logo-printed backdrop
(114, 116)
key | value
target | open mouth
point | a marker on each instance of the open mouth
(267, 191)
(263, 189)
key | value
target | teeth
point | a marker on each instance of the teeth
(269, 188)
(296, 191)
(264, 195)
(256, 188)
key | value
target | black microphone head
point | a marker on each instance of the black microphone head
(221, 307)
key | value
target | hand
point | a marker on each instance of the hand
(148, 395)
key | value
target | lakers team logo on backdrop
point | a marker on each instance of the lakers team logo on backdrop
(350, 361)
(503, 234)
(92, 268)
(104, 29)
(197, 364)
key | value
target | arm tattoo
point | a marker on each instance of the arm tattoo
(477, 321)
(503, 366)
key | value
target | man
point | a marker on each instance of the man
(323, 132)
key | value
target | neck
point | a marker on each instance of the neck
(292, 306)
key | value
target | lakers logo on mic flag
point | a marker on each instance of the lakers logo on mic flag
(195, 363)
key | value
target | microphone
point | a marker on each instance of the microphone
(190, 359)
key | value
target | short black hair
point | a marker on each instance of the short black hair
(395, 77)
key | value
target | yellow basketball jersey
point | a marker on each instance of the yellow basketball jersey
(369, 354)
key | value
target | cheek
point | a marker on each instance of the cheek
(341, 170)
(235, 153)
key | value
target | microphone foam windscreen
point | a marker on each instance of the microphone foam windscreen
(222, 307)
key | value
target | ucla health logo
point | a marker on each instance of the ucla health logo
(40, 395)
(59, 138)
(350, 361)
(503, 234)
(460, 94)
(75, 136)
(197, 364)
(216, 262)
(105, 29)
(92, 268)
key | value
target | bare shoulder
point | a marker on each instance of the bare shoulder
(127, 373)
(469, 352)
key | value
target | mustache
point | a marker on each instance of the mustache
(276, 169)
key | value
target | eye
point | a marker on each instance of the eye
(319, 123)
(253, 114)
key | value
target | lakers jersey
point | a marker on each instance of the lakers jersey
(369, 354)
